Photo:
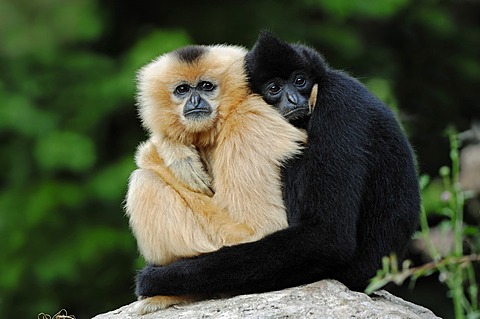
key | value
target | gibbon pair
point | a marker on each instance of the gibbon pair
(351, 196)
(209, 174)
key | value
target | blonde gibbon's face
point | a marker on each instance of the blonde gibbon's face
(196, 101)
(184, 88)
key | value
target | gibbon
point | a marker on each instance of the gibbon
(209, 174)
(352, 197)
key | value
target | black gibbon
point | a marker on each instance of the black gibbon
(351, 198)
(209, 174)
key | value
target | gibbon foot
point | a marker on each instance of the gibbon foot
(152, 304)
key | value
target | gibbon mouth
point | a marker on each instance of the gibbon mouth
(297, 112)
(198, 112)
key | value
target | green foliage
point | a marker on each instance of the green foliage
(65, 150)
(68, 126)
(25, 32)
(367, 8)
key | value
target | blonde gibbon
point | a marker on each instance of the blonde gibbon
(209, 174)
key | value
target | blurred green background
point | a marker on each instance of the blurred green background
(69, 129)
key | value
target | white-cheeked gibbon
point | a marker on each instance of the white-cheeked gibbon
(209, 174)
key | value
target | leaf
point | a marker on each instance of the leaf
(65, 150)
(19, 115)
(376, 284)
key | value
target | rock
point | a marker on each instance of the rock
(323, 299)
(470, 168)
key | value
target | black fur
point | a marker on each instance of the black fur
(352, 197)
(190, 53)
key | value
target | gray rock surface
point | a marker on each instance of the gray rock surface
(324, 299)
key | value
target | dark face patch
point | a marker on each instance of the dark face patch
(191, 53)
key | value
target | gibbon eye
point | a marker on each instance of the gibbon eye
(206, 86)
(274, 89)
(182, 89)
(300, 81)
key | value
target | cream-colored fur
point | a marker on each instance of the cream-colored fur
(201, 185)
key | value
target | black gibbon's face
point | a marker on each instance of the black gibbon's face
(197, 100)
(290, 96)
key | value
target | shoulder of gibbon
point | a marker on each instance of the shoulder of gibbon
(257, 126)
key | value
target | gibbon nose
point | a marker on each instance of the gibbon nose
(195, 99)
(196, 105)
(292, 98)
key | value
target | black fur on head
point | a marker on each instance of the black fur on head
(271, 58)
(190, 53)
